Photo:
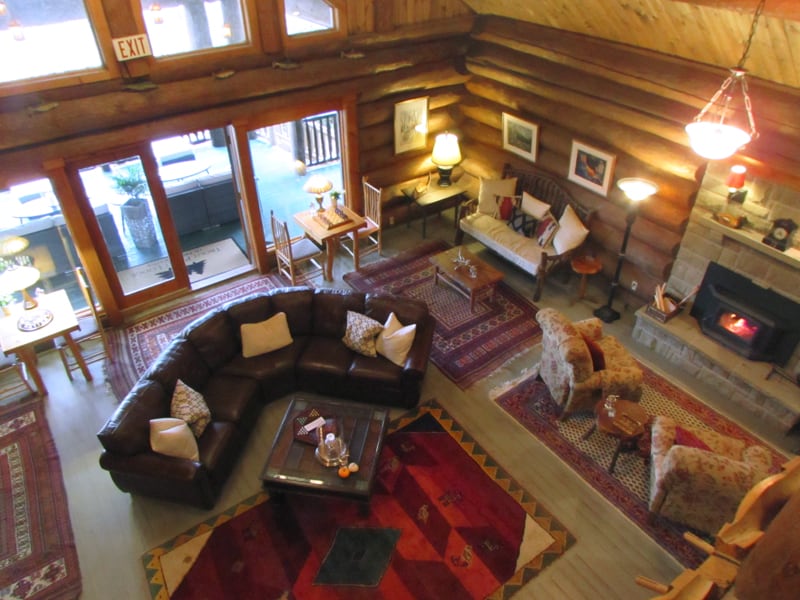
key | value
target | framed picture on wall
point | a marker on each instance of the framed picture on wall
(591, 168)
(410, 124)
(520, 137)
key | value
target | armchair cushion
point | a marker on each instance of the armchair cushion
(701, 488)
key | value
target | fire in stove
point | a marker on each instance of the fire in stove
(740, 326)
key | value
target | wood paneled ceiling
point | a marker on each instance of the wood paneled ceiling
(711, 32)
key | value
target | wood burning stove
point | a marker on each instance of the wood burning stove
(755, 322)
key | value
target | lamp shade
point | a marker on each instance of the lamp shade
(17, 279)
(317, 184)
(13, 245)
(716, 141)
(736, 177)
(446, 152)
(637, 189)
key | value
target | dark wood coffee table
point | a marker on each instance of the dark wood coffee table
(627, 425)
(482, 285)
(292, 466)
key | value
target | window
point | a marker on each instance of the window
(308, 16)
(45, 38)
(183, 26)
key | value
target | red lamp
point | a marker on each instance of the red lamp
(735, 181)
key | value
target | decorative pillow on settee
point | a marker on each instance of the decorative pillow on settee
(571, 231)
(546, 230)
(489, 189)
(527, 215)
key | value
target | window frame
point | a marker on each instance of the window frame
(314, 38)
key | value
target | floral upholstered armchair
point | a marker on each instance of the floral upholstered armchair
(698, 476)
(580, 365)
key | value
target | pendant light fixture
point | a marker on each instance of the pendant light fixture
(726, 123)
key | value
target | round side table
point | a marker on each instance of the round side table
(585, 266)
(627, 425)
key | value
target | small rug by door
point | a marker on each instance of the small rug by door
(531, 404)
(201, 262)
(38, 558)
(136, 346)
(467, 345)
(445, 521)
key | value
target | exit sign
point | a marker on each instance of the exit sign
(132, 46)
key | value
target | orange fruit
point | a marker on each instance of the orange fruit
(344, 472)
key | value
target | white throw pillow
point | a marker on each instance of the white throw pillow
(489, 189)
(571, 231)
(172, 437)
(188, 404)
(266, 336)
(534, 207)
(361, 333)
(395, 341)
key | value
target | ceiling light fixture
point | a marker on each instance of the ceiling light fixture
(721, 128)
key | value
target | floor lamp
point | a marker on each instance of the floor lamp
(636, 190)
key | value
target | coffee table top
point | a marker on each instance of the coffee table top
(292, 466)
(486, 274)
(628, 422)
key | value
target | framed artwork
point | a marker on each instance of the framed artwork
(520, 137)
(591, 168)
(410, 124)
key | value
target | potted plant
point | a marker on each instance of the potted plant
(135, 212)
(335, 196)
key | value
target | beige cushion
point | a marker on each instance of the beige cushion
(266, 336)
(189, 405)
(172, 437)
(571, 231)
(361, 333)
(534, 207)
(395, 341)
(545, 230)
(487, 203)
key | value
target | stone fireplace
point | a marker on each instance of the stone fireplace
(770, 393)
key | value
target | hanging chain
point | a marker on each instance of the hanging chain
(753, 27)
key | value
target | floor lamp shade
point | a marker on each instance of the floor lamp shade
(446, 155)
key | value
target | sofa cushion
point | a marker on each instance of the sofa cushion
(323, 359)
(265, 336)
(268, 369)
(298, 304)
(179, 360)
(395, 340)
(251, 309)
(505, 206)
(214, 337)
(380, 306)
(127, 432)
(596, 352)
(330, 311)
(546, 230)
(521, 251)
(534, 207)
(489, 189)
(571, 231)
(233, 399)
(188, 404)
(361, 333)
(172, 437)
(686, 437)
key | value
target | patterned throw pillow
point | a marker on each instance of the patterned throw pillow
(546, 229)
(361, 333)
(505, 206)
(189, 405)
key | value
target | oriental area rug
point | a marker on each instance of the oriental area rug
(467, 345)
(445, 521)
(38, 558)
(136, 346)
(531, 404)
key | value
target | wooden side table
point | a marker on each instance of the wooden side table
(627, 425)
(584, 266)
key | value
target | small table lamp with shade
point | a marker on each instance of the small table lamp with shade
(318, 185)
(446, 155)
(19, 279)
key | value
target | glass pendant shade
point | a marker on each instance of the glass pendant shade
(716, 141)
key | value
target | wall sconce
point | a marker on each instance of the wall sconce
(636, 190)
(735, 183)
(446, 155)
(318, 185)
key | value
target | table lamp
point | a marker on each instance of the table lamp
(19, 279)
(318, 185)
(446, 155)
(13, 245)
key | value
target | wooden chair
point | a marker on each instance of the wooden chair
(91, 328)
(370, 233)
(8, 385)
(298, 260)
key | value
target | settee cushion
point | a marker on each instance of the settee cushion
(172, 437)
(534, 207)
(571, 231)
(361, 333)
(265, 336)
(188, 404)
(546, 229)
(518, 249)
(490, 189)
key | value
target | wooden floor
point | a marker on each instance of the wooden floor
(113, 529)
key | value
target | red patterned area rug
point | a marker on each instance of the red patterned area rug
(38, 558)
(445, 521)
(531, 404)
(136, 346)
(467, 345)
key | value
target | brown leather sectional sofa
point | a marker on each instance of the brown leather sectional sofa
(207, 356)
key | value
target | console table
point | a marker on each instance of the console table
(434, 196)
